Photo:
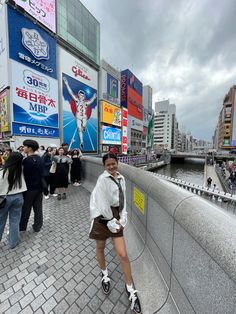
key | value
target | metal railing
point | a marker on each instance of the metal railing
(223, 199)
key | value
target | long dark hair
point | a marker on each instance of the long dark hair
(13, 165)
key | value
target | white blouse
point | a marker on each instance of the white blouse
(106, 194)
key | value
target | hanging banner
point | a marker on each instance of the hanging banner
(79, 100)
(124, 130)
(42, 10)
(4, 82)
(35, 97)
(30, 45)
(4, 116)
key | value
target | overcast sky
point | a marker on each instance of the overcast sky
(184, 49)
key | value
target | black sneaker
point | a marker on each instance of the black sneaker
(134, 300)
(105, 283)
(59, 197)
(64, 196)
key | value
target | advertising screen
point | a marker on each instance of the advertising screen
(3, 48)
(111, 114)
(42, 10)
(4, 117)
(31, 45)
(135, 107)
(79, 102)
(35, 97)
(111, 135)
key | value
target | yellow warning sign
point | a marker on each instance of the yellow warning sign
(139, 200)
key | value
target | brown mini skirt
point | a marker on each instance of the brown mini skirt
(100, 230)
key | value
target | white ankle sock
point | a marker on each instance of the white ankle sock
(105, 272)
(129, 287)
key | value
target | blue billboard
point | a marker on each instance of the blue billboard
(111, 135)
(80, 121)
(30, 45)
(33, 130)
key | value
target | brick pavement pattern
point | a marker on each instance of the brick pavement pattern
(55, 270)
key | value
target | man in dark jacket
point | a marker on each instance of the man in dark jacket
(33, 171)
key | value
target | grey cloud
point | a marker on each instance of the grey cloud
(179, 47)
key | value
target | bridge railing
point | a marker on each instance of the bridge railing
(191, 241)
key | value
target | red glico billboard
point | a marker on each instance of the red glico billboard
(135, 107)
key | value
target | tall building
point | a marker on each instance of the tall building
(147, 112)
(226, 126)
(165, 126)
(50, 59)
(110, 111)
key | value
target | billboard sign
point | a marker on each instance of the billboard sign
(135, 107)
(145, 117)
(124, 91)
(79, 101)
(4, 116)
(135, 124)
(234, 122)
(3, 47)
(44, 11)
(111, 135)
(133, 82)
(111, 114)
(124, 131)
(33, 130)
(35, 97)
(112, 86)
(30, 45)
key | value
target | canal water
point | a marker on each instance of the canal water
(191, 170)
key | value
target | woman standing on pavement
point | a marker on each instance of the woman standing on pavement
(75, 172)
(109, 217)
(49, 177)
(12, 184)
(61, 175)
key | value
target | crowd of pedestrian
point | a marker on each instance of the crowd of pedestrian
(28, 174)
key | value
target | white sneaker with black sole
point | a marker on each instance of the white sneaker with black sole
(134, 300)
(105, 283)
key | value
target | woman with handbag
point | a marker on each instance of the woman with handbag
(62, 170)
(109, 217)
(12, 185)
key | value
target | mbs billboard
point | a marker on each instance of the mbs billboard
(131, 94)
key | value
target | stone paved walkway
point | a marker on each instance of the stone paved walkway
(55, 271)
